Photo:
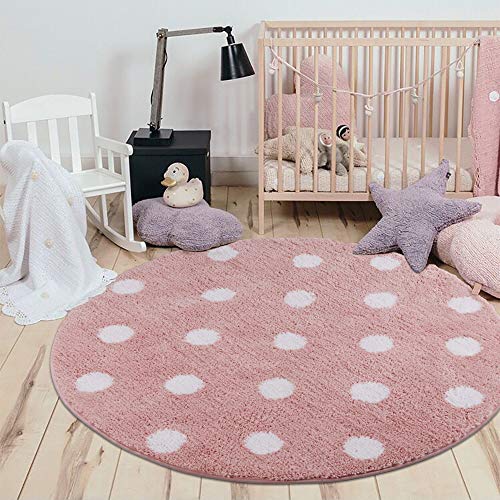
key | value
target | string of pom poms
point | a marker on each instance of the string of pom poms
(458, 62)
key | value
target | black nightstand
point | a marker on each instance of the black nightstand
(148, 163)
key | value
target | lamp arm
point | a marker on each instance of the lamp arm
(161, 60)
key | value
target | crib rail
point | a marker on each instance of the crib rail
(376, 57)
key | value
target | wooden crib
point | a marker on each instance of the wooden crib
(404, 134)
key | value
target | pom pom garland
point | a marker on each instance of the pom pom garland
(273, 65)
(458, 62)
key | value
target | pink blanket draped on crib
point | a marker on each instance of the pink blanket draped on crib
(485, 119)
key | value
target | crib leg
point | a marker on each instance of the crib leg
(261, 213)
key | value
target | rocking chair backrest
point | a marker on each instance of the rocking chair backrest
(50, 108)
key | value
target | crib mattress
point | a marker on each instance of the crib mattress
(378, 167)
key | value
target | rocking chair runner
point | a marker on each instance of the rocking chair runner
(98, 181)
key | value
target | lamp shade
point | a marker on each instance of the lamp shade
(234, 62)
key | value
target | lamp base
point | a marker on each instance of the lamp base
(162, 137)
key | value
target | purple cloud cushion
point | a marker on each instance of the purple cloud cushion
(412, 217)
(194, 229)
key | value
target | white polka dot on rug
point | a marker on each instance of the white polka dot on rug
(298, 299)
(385, 263)
(380, 300)
(463, 346)
(94, 382)
(263, 443)
(222, 254)
(376, 343)
(114, 334)
(276, 388)
(369, 392)
(127, 287)
(218, 294)
(202, 336)
(307, 260)
(464, 397)
(464, 305)
(184, 384)
(289, 341)
(363, 448)
(166, 441)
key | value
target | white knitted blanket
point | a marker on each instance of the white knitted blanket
(51, 268)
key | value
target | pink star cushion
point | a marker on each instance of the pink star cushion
(412, 217)
(473, 246)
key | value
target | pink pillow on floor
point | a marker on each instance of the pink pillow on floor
(307, 100)
(472, 246)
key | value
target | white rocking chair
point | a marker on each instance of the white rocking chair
(97, 181)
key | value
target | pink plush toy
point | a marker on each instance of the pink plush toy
(473, 247)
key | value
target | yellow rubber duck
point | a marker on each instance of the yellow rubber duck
(180, 193)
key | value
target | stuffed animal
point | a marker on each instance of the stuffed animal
(344, 134)
(325, 159)
(306, 153)
(180, 193)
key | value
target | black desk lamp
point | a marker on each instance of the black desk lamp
(234, 64)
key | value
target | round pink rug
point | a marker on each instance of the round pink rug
(281, 360)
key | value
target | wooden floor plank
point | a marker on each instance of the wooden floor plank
(184, 487)
(365, 489)
(140, 479)
(85, 462)
(435, 479)
(268, 492)
(478, 461)
(334, 225)
(27, 402)
(10, 333)
(242, 203)
(220, 490)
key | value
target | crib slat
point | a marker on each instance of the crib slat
(32, 134)
(431, 95)
(309, 36)
(54, 141)
(341, 51)
(354, 56)
(333, 173)
(294, 50)
(387, 112)
(460, 110)
(447, 73)
(369, 118)
(297, 126)
(324, 34)
(442, 110)
(280, 123)
(316, 105)
(417, 74)
(261, 118)
(406, 120)
(425, 92)
(401, 83)
(355, 62)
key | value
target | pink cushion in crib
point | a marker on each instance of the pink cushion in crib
(472, 246)
(307, 100)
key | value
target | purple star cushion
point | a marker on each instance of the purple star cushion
(194, 229)
(412, 217)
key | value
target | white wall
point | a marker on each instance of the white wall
(65, 46)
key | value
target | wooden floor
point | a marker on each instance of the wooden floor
(45, 453)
